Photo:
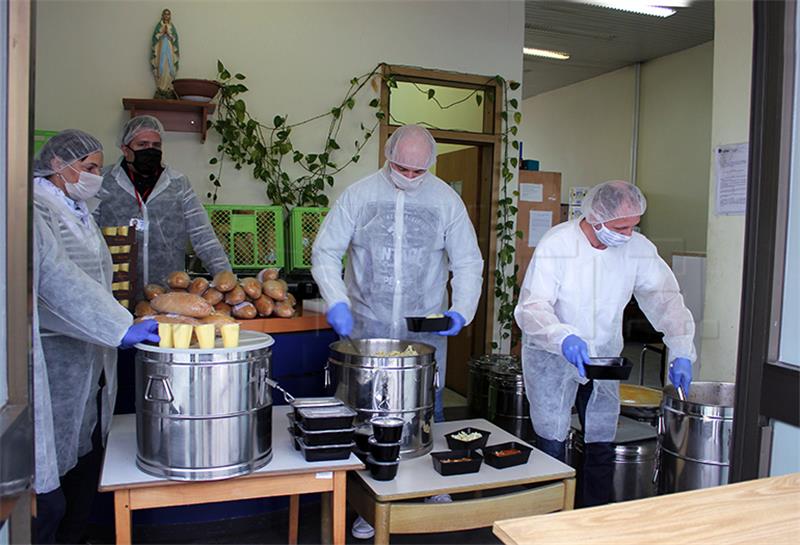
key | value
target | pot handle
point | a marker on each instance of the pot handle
(380, 391)
(657, 467)
(148, 391)
(327, 383)
(435, 377)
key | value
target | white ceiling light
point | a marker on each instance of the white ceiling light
(546, 53)
(634, 6)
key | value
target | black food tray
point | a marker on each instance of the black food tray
(326, 453)
(608, 368)
(458, 444)
(326, 418)
(502, 462)
(456, 468)
(420, 323)
(293, 439)
(325, 438)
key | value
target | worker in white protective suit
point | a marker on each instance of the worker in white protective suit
(159, 202)
(580, 279)
(77, 327)
(403, 230)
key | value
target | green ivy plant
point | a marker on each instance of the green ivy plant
(506, 288)
(263, 147)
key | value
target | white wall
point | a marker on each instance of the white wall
(733, 37)
(674, 147)
(583, 130)
(298, 57)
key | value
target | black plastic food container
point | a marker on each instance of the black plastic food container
(325, 454)
(382, 471)
(294, 428)
(502, 462)
(446, 469)
(294, 439)
(360, 454)
(362, 436)
(608, 368)
(387, 429)
(326, 418)
(326, 437)
(308, 402)
(420, 323)
(458, 444)
(384, 452)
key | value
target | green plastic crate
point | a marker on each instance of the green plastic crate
(304, 224)
(39, 139)
(253, 236)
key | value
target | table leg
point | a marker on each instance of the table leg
(325, 518)
(569, 494)
(294, 517)
(339, 507)
(122, 516)
(382, 520)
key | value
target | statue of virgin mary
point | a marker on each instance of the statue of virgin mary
(165, 55)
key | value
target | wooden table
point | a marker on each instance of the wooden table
(287, 474)
(760, 511)
(309, 321)
(384, 503)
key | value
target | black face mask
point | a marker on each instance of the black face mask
(146, 161)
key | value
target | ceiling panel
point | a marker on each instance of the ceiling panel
(601, 40)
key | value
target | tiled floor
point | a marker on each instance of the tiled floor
(271, 528)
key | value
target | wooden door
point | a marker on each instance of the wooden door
(461, 169)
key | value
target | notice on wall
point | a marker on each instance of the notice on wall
(539, 223)
(531, 192)
(458, 187)
(730, 163)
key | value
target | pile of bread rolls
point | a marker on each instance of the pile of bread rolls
(222, 301)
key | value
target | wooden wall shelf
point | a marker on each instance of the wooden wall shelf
(175, 115)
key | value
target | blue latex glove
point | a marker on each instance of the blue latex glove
(680, 373)
(340, 318)
(577, 353)
(457, 322)
(146, 330)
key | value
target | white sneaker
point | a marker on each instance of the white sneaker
(362, 529)
(439, 498)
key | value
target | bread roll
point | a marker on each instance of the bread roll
(264, 305)
(267, 274)
(143, 308)
(178, 280)
(169, 319)
(244, 311)
(213, 296)
(235, 296)
(225, 281)
(185, 304)
(275, 289)
(251, 287)
(151, 290)
(198, 286)
(283, 309)
(222, 308)
(218, 320)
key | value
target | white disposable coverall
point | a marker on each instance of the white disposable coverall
(171, 218)
(400, 246)
(571, 288)
(80, 324)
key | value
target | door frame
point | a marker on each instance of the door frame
(488, 142)
(766, 388)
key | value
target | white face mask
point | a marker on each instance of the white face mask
(86, 187)
(401, 182)
(610, 238)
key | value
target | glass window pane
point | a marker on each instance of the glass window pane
(451, 108)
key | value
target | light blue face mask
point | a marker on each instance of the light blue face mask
(610, 238)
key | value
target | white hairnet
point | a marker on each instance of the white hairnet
(138, 124)
(66, 147)
(613, 200)
(411, 146)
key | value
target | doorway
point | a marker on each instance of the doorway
(465, 121)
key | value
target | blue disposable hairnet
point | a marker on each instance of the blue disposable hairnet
(138, 124)
(63, 149)
(613, 200)
(411, 146)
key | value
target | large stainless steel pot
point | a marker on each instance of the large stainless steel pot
(478, 384)
(401, 386)
(508, 404)
(695, 437)
(204, 414)
(635, 453)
